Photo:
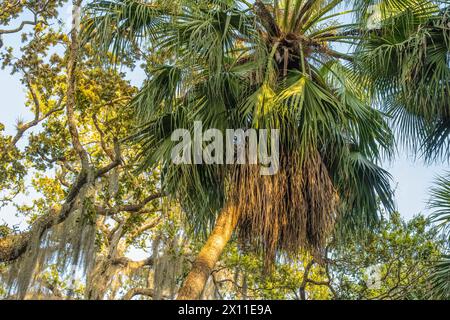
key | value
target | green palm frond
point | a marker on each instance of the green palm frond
(407, 58)
(440, 279)
(126, 25)
(440, 203)
(365, 185)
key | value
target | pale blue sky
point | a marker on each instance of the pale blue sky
(411, 179)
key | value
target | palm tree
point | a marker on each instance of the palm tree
(241, 64)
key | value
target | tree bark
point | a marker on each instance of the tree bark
(209, 256)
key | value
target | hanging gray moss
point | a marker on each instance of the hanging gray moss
(168, 268)
(69, 245)
(102, 277)
(71, 248)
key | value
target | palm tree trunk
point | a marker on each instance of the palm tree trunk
(208, 256)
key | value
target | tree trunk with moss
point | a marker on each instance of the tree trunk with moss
(208, 256)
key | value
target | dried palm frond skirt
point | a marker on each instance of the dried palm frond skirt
(290, 212)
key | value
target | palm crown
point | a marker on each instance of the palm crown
(235, 64)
